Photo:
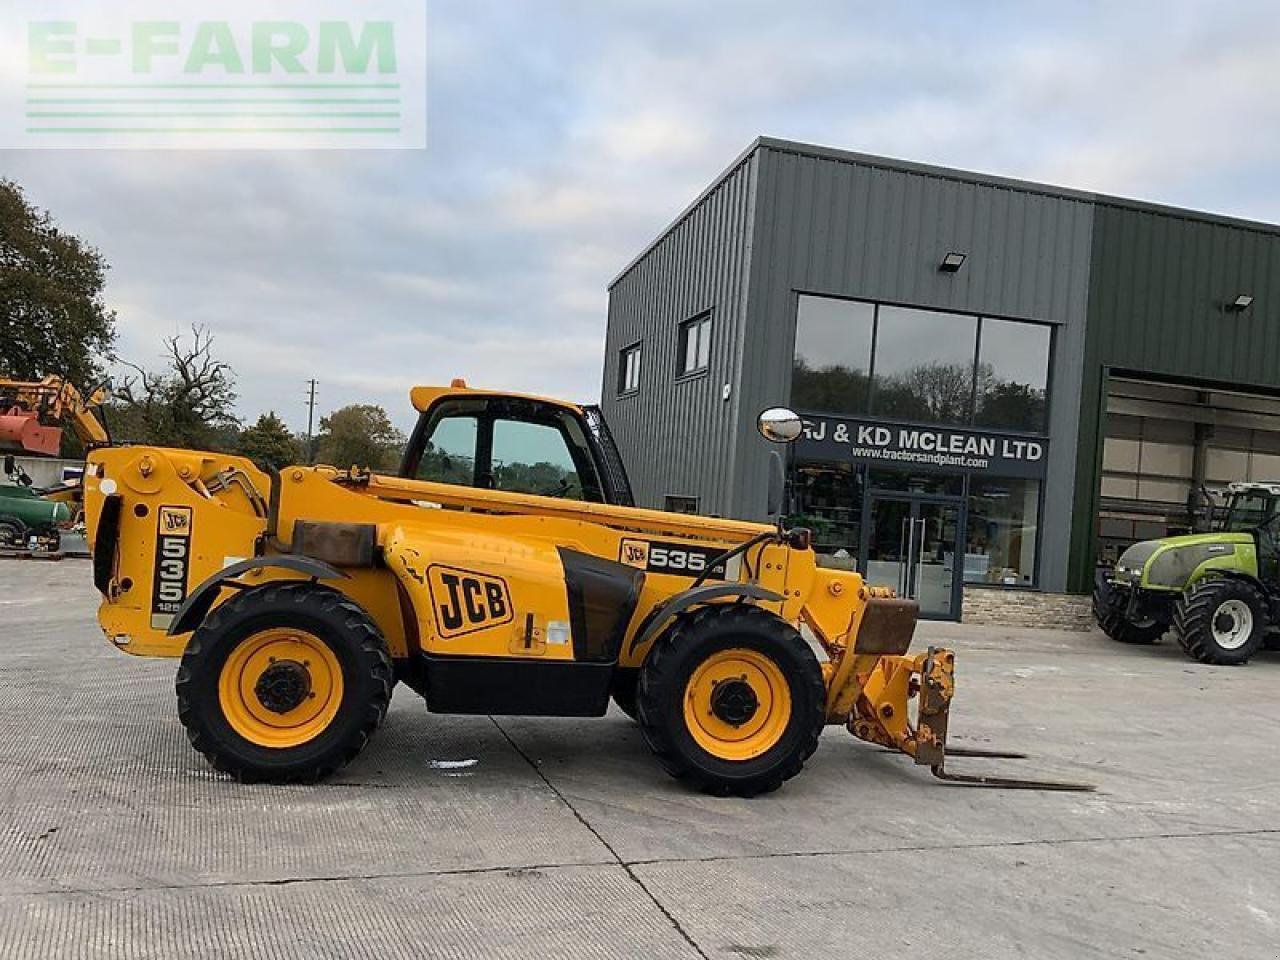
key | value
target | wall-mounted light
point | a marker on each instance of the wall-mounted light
(952, 262)
(1240, 303)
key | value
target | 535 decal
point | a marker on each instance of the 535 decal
(676, 559)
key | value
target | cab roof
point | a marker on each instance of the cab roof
(1255, 487)
(423, 397)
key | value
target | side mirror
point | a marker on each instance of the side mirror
(10, 465)
(780, 425)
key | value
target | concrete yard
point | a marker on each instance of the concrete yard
(565, 839)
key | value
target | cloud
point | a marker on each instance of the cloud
(563, 136)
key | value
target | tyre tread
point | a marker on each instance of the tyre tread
(374, 658)
(660, 671)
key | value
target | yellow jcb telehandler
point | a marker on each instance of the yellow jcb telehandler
(503, 571)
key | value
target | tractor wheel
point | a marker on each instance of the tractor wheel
(12, 534)
(731, 700)
(284, 683)
(1112, 621)
(1220, 620)
(624, 690)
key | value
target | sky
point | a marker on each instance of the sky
(564, 136)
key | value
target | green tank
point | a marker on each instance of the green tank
(25, 514)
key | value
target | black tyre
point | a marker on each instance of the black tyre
(13, 534)
(1118, 627)
(1221, 620)
(731, 700)
(624, 691)
(284, 683)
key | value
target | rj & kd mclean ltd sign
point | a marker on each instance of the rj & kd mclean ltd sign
(922, 447)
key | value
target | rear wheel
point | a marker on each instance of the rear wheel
(284, 683)
(1221, 620)
(1118, 627)
(731, 700)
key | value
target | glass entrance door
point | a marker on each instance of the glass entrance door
(910, 545)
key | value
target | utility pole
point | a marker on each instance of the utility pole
(311, 420)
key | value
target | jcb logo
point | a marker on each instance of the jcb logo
(464, 600)
(175, 521)
(635, 553)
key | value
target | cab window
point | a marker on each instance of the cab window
(520, 446)
(533, 458)
(450, 455)
(1248, 510)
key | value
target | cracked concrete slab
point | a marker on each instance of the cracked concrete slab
(565, 839)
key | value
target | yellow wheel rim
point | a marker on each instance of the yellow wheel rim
(280, 687)
(737, 704)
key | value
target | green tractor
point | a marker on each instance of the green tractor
(1219, 591)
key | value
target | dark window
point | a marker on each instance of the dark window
(924, 365)
(681, 504)
(920, 365)
(829, 502)
(832, 366)
(629, 369)
(1001, 542)
(695, 344)
(1013, 375)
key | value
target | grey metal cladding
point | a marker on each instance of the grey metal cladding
(675, 434)
(847, 225)
(1161, 282)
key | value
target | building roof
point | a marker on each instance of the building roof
(944, 173)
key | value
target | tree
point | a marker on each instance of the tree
(269, 444)
(188, 404)
(932, 392)
(360, 435)
(835, 388)
(52, 316)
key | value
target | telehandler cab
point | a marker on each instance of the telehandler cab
(504, 571)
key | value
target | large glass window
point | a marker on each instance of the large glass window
(1013, 375)
(832, 368)
(928, 366)
(924, 365)
(1001, 541)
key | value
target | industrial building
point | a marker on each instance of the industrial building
(1002, 381)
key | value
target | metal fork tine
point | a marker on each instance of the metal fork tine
(977, 752)
(979, 780)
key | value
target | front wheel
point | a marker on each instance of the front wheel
(1113, 622)
(12, 534)
(1221, 620)
(731, 700)
(284, 683)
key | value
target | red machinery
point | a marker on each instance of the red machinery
(31, 415)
